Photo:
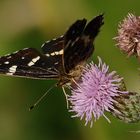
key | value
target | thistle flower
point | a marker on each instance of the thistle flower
(94, 93)
(128, 106)
(128, 39)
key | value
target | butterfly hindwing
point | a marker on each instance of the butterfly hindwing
(54, 45)
(80, 49)
(28, 63)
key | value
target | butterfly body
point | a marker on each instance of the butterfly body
(62, 58)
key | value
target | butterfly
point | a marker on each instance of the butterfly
(62, 58)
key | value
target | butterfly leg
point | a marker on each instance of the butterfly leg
(66, 96)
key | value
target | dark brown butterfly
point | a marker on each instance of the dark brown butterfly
(62, 58)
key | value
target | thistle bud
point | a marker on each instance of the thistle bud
(128, 107)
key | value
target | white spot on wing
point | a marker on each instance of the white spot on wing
(61, 52)
(49, 68)
(55, 63)
(34, 60)
(47, 55)
(12, 70)
(52, 54)
(42, 45)
(8, 57)
(25, 48)
(31, 63)
(61, 36)
(7, 62)
(15, 52)
(9, 73)
(47, 41)
(57, 53)
(54, 39)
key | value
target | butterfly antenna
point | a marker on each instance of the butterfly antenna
(40, 99)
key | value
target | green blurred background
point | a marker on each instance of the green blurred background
(29, 23)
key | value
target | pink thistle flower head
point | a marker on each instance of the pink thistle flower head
(94, 93)
(128, 39)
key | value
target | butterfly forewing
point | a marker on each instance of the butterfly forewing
(80, 49)
(74, 32)
(52, 46)
(93, 27)
(28, 63)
